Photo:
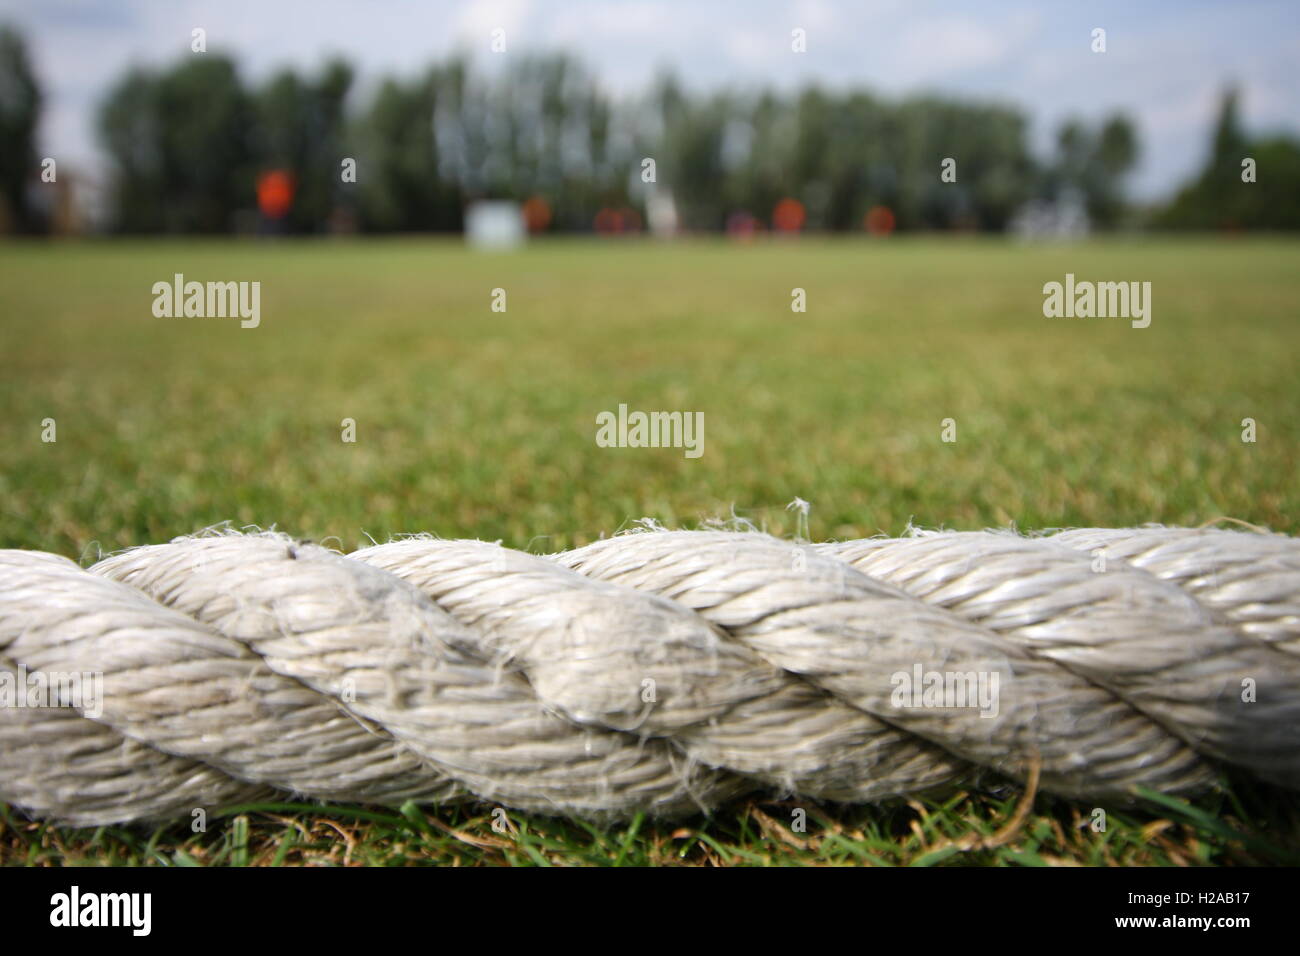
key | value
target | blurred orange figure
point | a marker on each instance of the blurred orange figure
(275, 193)
(617, 221)
(741, 226)
(537, 214)
(608, 222)
(788, 216)
(879, 220)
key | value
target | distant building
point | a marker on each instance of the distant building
(74, 203)
(495, 224)
(661, 214)
(1065, 217)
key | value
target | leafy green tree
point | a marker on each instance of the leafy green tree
(398, 159)
(129, 127)
(301, 129)
(20, 107)
(1094, 162)
(180, 147)
(1221, 197)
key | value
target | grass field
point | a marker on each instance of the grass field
(472, 423)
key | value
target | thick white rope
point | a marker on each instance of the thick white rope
(663, 671)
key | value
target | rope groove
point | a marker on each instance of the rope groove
(663, 671)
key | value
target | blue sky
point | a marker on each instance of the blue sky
(1165, 62)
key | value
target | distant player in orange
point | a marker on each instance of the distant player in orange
(788, 216)
(275, 189)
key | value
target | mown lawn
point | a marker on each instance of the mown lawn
(474, 423)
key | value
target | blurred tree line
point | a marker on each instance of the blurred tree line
(1245, 184)
(189, 144)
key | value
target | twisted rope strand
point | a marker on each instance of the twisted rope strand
(663, 671)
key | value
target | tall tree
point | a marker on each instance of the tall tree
(20, 106)
(180, 147)
(300, 129)
(399, 160)
(1095, 162)
(1228, 142)
(1225, 196)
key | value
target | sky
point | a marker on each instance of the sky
(1165, 62)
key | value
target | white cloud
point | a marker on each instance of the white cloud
(478, 18)
(937, 47)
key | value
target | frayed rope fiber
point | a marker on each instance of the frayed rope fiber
(661, 671)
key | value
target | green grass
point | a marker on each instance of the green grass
(472, 423)
(963, 829)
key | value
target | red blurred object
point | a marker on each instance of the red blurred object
(788, 216)
(616, 222)
(879, 220)
(741, 225)
(609, 222)
(275, 189)
(537, 214)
